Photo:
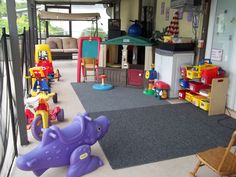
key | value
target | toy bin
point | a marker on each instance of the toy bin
(209, 74)
(184, 83)
(183, 70)
(182, 94)
(208, 79)
(193, 74)
(189, 96)
(204, 104)
(196, 86)
(197, 99)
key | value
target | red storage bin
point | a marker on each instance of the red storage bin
(196, 86)
(182, 94)
(209, 74)
(208, 79)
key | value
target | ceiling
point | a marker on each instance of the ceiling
(75, 1)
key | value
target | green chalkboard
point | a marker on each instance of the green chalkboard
(89, 49)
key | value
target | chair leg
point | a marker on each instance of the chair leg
(97, 74)
(193, 174)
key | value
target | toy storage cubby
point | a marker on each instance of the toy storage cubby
(209, 96)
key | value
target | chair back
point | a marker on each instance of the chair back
(89, 61)
(227, 158)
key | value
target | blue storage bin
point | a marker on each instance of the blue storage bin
(184, 83)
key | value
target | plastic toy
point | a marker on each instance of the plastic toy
(103, 85)
(39, 82)
(67, 146)
(161, 89)
(89, 47)
(151, 75)
(43, 58)
(38, 114)
(204, 61)
(135, 29)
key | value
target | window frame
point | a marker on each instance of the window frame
(47, 24)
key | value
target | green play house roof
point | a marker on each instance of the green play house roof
(129, 40)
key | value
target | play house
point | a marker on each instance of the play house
(127, 68)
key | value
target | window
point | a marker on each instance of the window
(58, 28)
(87, 28)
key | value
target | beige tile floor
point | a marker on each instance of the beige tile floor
(69, 101)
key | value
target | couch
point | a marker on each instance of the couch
(62, 47)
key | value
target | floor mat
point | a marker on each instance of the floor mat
(115, 99)
(150, 134)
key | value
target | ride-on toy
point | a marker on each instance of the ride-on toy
(38, 114)
(68, 146)
(39, 82)
(43, 58)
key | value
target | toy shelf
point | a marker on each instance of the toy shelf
(213, 103)
(218, 95)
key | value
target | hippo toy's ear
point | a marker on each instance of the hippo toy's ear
(81, 118)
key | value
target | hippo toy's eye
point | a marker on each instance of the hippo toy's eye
(98, 129)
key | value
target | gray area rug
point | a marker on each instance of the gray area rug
(115, 99)
(150, 134)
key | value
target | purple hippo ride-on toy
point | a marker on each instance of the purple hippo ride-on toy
(67, 146)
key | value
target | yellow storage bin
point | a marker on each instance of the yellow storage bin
(189, 96)
(196, 71)
(197, 99)
(193, 74)
(204, 104)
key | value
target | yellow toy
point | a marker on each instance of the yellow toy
(43, 58)
(39, 82)
(38, 114)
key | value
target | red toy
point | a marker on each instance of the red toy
(161, 89)
(43, 58)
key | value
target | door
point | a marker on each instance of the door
(222, 36)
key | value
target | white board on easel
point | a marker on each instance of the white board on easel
(216, 54)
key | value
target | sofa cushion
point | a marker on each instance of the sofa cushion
(56, 40)
(69, 43)
(70, 50)
(57, 50)
(52, 45)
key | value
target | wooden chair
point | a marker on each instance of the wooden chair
(89, 64)
(221, 160)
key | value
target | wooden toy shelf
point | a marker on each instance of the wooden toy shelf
(217, 98)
